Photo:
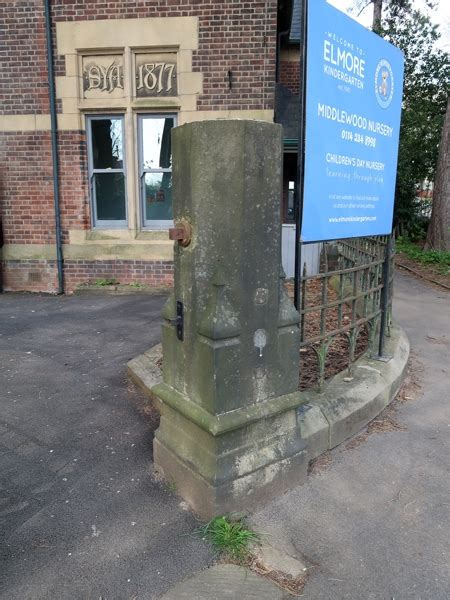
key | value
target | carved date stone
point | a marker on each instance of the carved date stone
(103, 76)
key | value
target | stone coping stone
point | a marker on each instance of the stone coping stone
(341, 409)
(223, 582)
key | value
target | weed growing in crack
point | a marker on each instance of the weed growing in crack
(105, 282)
(229, 536)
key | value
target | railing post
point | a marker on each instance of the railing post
(384, 304)
(303, 303)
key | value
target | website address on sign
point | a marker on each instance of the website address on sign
(350, 219)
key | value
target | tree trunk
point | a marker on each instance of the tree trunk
(438, 235)
(377, 8)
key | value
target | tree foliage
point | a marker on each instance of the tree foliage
(426, 86)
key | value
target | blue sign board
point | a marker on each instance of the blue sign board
(354, 89)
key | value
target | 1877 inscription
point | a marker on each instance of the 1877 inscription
(156, 75)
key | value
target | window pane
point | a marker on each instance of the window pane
(107, 143)
(156, 146)
(290, 204)
(110, 196)
(158, 196)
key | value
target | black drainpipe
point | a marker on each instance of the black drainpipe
(54, 128)
(277, 64)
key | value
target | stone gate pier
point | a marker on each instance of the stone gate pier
(228, 436)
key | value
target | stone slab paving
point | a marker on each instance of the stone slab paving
(225, 582)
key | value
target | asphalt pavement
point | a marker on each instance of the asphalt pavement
(81, 515)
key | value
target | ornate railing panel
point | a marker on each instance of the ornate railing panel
(342, 307)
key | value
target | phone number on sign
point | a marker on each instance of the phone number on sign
(358, 138)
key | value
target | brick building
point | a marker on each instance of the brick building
(125, 73)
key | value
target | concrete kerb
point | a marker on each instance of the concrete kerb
(326, 418)
(145, 371)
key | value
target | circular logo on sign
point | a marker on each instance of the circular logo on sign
(384, 83)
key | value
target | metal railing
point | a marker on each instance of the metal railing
(345, 309)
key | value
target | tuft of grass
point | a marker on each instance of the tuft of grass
(137, 284)
(171, 486)
(229, 536)
(105, 282)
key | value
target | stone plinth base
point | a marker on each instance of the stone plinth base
(245, 493)
(236, 466)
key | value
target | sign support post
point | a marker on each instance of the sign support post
(384, 301)
(298, 197)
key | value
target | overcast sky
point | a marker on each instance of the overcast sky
(440, 15)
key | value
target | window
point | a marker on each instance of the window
(290, 202)
(107, 171)
(289, 186)
(155, 170)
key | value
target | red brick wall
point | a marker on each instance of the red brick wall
(153, 273)
(234, 35)
(41, 275)
(289, 75)
(26, 207)
(23, 85)
(74, 191)
(29, 275)
(240, 37)
(26, 204)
